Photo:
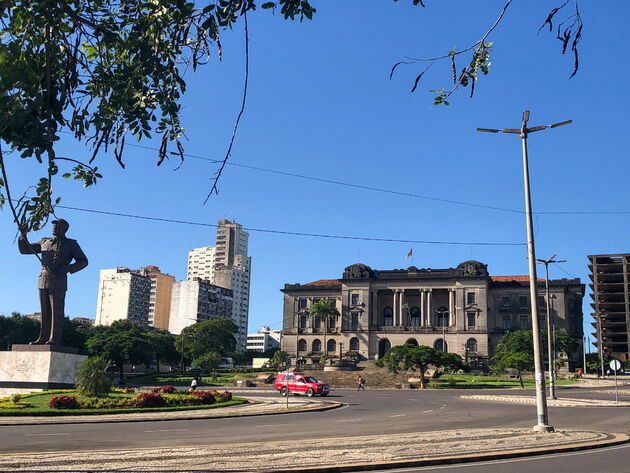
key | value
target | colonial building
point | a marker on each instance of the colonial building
(461, 310)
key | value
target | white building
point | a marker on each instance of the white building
(195, 301)
(123, 294)
(227, 265)
(264, 339)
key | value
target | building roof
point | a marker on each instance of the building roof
(325, 282)
(513, 278)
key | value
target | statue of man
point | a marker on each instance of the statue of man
(57, 255)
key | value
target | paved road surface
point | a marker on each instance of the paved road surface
(363, 413)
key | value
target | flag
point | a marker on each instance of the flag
(410, 254)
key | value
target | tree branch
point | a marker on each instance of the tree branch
(238, 119)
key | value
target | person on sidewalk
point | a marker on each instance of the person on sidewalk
(361, 384)
(193, 385)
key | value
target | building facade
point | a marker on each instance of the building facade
(265, 339)
(610, 286)
(196, 301)
(159, 297)
(460, 310)
(123, 294)
(227, 265)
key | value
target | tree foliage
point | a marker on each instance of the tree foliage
(323, 310)
(121, 342)
(278, 361)
(16, 330)
(162, 345)
(419, 358)
(101, 70)
(210, 336)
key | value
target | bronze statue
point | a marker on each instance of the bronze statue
(57, 254)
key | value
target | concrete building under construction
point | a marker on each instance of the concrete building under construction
(610, 276)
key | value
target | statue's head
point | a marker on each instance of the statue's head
(60, 227)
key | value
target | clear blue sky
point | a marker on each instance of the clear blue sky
(320, 103)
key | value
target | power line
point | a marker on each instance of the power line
(383, 190)
(284, 232)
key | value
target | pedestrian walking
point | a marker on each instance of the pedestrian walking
(361, 383)
(193, 385)
(579, 373)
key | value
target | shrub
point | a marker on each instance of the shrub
(92, 378)
(13, 405)
(63, 402)
(225, 396)
(15, 398)
(207, 397)
(168, 389)
(148, 400)
(115, 403)
(182, 400)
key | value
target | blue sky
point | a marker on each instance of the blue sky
(320, 103)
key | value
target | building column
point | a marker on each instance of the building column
(429, 308)
(423, 316)
(395, 309)
(403, 321)
(375, 307)
(451, 307)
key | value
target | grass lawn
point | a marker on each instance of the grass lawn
(214, 379)
(469, 381)
(38, 405)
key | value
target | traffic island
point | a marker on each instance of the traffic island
(329, 455)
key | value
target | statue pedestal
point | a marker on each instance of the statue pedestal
(29, 368)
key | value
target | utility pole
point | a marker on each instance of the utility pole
(541, 401)
(551, 349)
(584, 354)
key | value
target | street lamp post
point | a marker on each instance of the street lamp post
(541, 401)
(551, 349)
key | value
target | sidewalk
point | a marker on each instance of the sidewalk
(560, 402)
(337, 454)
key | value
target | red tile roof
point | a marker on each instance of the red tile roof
(513, 278)
(325, 282)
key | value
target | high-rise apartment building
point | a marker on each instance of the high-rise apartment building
(227, 265)
(123, 294)
(160, 296)
(195, 301)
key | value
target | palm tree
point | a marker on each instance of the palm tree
(323, 309)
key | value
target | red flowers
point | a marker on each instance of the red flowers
(148, 400)
(63, 402)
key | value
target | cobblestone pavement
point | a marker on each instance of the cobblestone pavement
(257, 406)
(261, 456)
(564, 402)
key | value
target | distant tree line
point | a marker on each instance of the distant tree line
(200, 346)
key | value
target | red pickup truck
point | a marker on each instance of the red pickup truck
(299, 383)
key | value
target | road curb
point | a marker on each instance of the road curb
(153, 417)
(616, 439)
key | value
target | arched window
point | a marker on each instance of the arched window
(354, 344)
(383, 347)
(317, 346)
(301, 344)
(442, 317)
(388, 317)
(440, 345)
(332, 346)
(412, 341)
(471, 345)
(415, 316)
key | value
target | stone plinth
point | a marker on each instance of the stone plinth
(29, 368)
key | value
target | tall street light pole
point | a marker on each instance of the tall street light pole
(550, 347)
(541, 401)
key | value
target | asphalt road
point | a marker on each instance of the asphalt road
(363, 413)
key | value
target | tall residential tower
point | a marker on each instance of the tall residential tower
(227, 265)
